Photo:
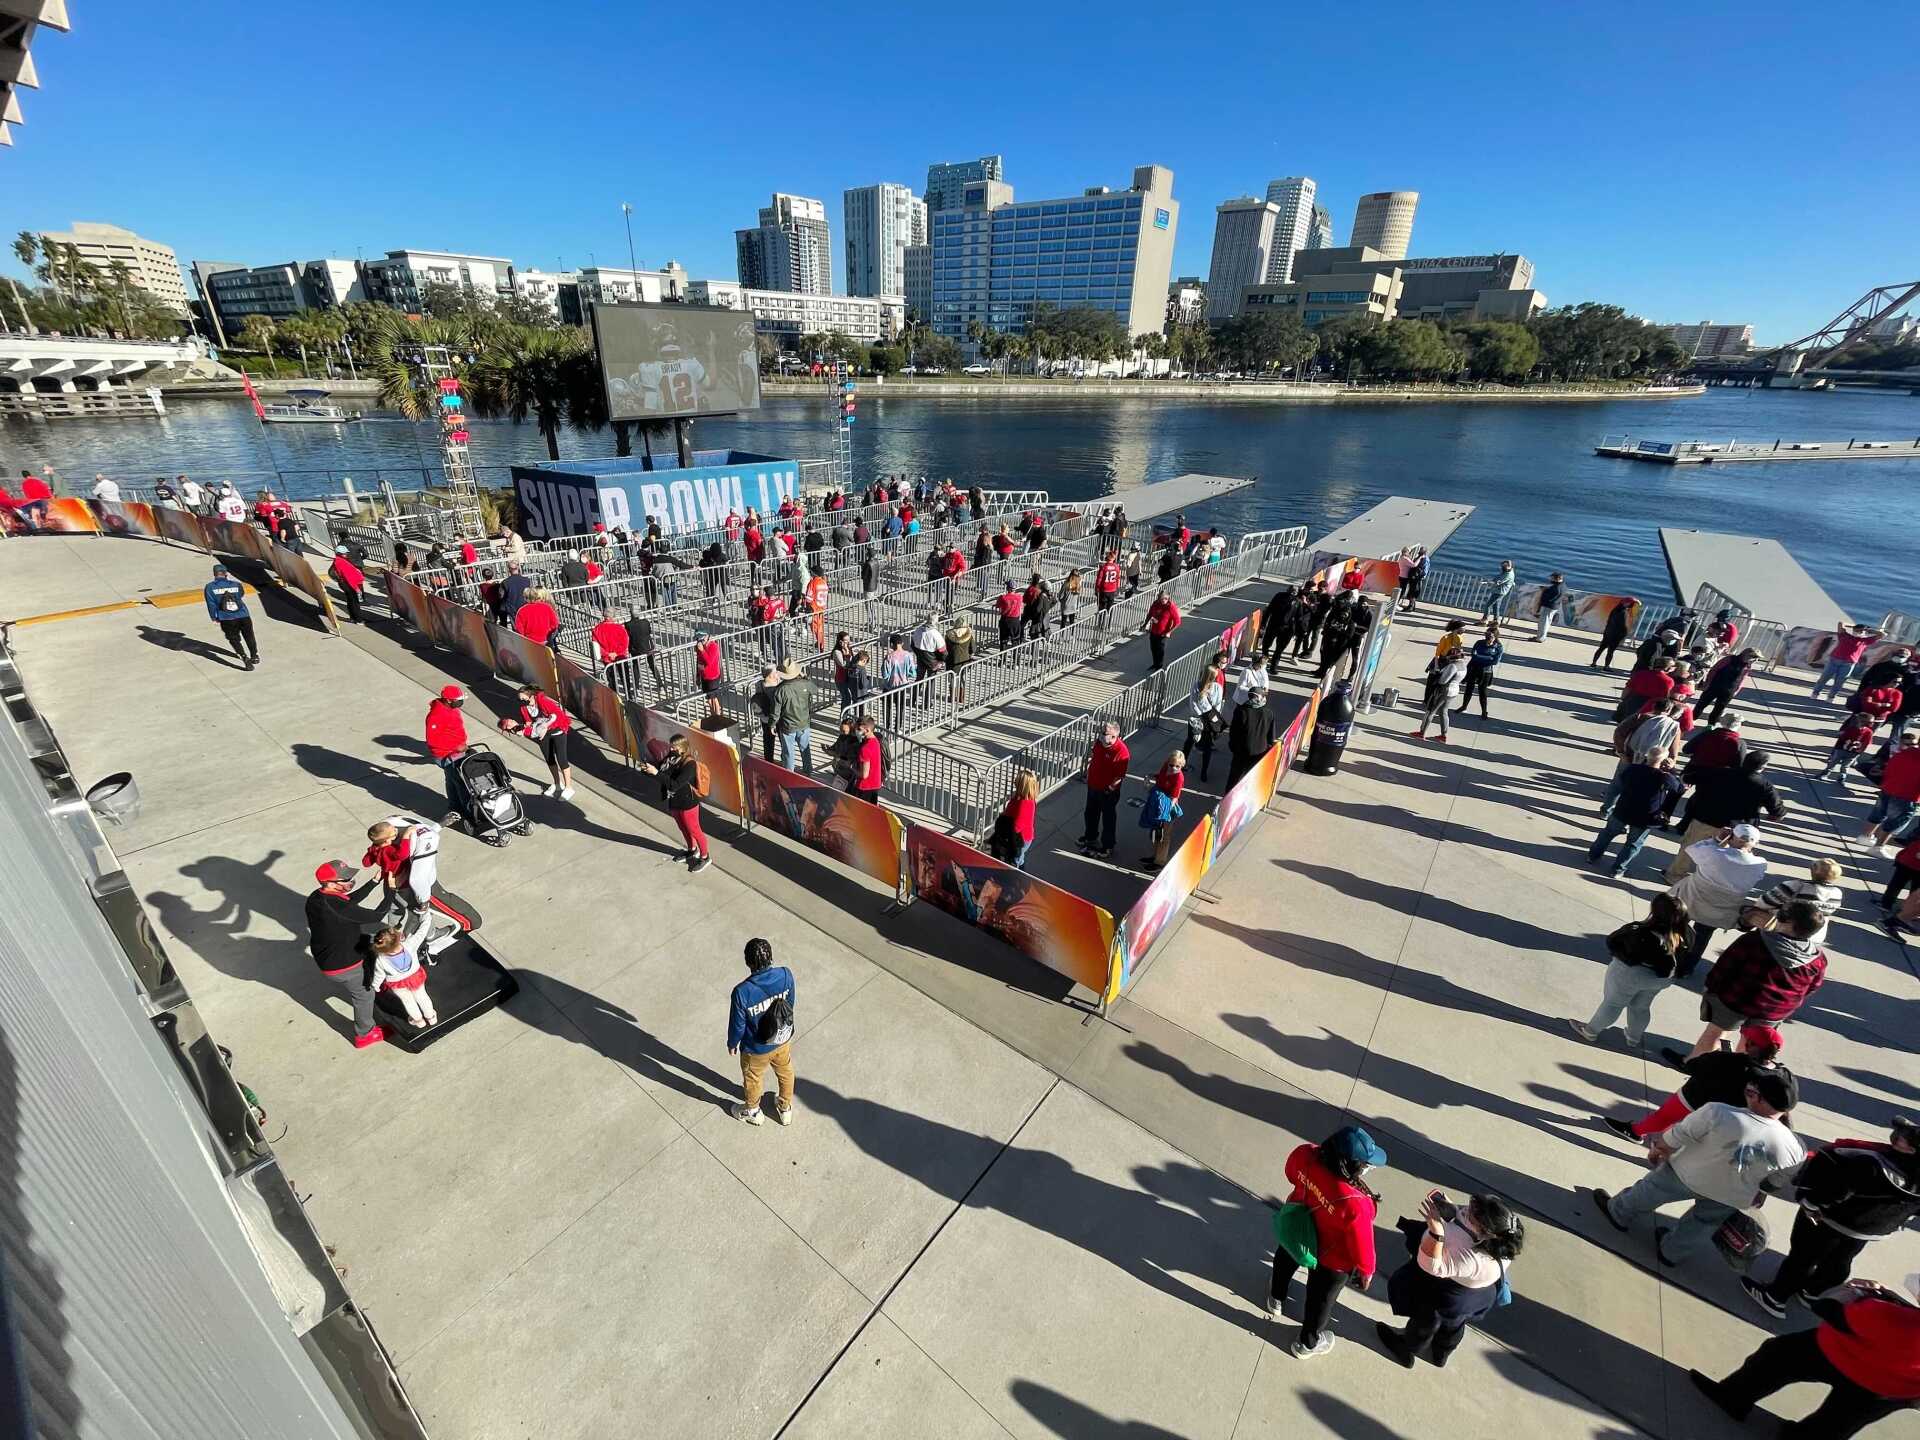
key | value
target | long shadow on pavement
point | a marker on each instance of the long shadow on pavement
(646, 1055)
(1068, 1418)
(187, 645)
(1404, 900)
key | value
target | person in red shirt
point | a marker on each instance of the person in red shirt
(1850, 644)
(351, 579)
(595, 571)
(32, 487)
(1355, 578)
(789, 543)
(869, 763)
(1019, 813)
(609, 640)
(447, 743)
(1716, 748)
(1879, 704)
(1106, 774)
(267, 510)
(1866, 1347)
(1011, 604)
(1653, 683)
(1162, 807)
(1856, 734)
(706, 660)
(755, 542)
(541, 718)
(390, 850)
(1328, 1180)
(1106, 588)
(1163, 618)
(1894, 813)
(538, 620)
(1003, 543)
(468, 555)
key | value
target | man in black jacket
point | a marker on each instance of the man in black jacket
(1276, 626)
(1250, 734)
(1850, 1192)
(336, 936)
(1735, 795)
(1340, 633)
(1646, 798)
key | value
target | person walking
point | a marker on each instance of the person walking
(1723, 870)
(1162, 807)
(1763, 977)
(226, 600)
(1647, 683)
(1070, 589)
(929, 645)
(1552, 595)
(1106, 588)
(1850, 1192)
(544, 721)
(1896, 811)
(1643, 799)
(1723, 799)
(336, 938)
(1276, 626)
(1482, 661)
(681, 791)
(1850, 643)
(760, 1015)
(446, 735)
(793, 719)
(1614, 633)
(1643, 955)
(1163, 618)
(1335, 1245)
(1866, 1349)
(1649, 739)
(1106, 774)
(1723, 682)
(1457, 1274)
(1208, 706)
(1250, 734)
(1444, 677)
(351, 580)
(1719, 1157)
(1499, 593)
(1719, 1075)
(1342, 630)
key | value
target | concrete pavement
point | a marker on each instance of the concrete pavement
(992, 1215)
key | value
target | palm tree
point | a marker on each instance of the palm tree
(536, 373)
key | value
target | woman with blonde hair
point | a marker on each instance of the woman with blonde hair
(1013, 831)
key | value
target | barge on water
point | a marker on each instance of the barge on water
(1710, 452)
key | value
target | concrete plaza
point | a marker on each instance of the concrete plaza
(994, 1215)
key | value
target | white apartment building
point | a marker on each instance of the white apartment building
(787, 314)
(882, 221)
(1293, 229)
(401, 278)
(617, 285)
(151, 266)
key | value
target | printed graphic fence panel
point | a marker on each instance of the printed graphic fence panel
(1378, 634)
(1161, 901)
(63, 515)
(410, 603)
(648, 734)
(518, 659)
(593, 702)
(458, 628)
(127, 517)
(1041, 921)
(297, 574)
(1244, 801)
(181, 525)
(236, 537)
(1810, 647)
(860, 835)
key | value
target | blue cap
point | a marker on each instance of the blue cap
(1350, 1142)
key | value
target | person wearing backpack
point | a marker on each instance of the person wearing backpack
(1849, 1192)
(760, 1032)
(1336, 1247)
(683, 785)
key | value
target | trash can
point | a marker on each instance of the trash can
(1331, 727)
(115, 799)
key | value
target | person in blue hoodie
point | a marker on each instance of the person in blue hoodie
(760, 1032)
(1481, 663)
(226, 601)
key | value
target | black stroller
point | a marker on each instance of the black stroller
(493, 811)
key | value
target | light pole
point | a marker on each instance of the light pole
(633, 266)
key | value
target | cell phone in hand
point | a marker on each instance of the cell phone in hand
(1442, 1206)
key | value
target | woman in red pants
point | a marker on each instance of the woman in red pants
(681, 790)
(1721, 1075)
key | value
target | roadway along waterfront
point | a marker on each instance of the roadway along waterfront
(1544, 498)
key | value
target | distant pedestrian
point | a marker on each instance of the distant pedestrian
(709, 670)
(226, 600)
(765, 701)
(1850, 643)
(1416, 579)
(640, 644)
(337, 932)
(1444, 678)
(537, 620)
(1763, 977)
(1643, 956)
(1106, 774)
(1207, 713)
(1499, 593)
(899, 671)
(1552, 595)
(1458, 1274)
(760, 1031)
(1250, 734)
(869, 762)
(1106, 588)
(1723, 682)
(1335, 1245)
(1614, 633)
(1163, 618)
(1849, 746)
(1162, 807)
(793, 719)
(545, 722)
(1482, 661)
(681, 791)
(350, 578)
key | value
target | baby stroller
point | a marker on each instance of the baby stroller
(493, 810)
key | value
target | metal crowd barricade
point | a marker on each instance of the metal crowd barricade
(1462, 590)
(1274, 543)
(1902, 629)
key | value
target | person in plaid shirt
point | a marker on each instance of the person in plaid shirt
(1764, 976)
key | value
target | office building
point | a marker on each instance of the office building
(617, 285)
(994, 259)
(1707, 339)
(791, 249)
(1320, 234)
(1243, 239)
(1353, 280)
(787, 315)
(555, 291)
(150, 266)
(233, 293)
(1472, 287)
(402, 277)
(1383, 222)
(1186, 300)
(882, 221)
(205, 315)
(947, 182)
(916, 263)
(1294, 196)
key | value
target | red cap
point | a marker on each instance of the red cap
(334, 870)
(1762, 1037)
(451, 692)
(599, 527)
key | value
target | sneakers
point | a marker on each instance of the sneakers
(1622, 1128)
(1579, 1028)
(783, 1113)
(549, 791)
(1757, 1293)
(372, 1037)
(1274, 1306)
(698, 863)
(1439, 739)
(1674, 1055)
(1604, 1202)
(750, 1114)
(567, 794)
(1302, 1351)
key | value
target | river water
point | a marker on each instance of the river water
(1544, 499)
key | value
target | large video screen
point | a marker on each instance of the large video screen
(664, 361)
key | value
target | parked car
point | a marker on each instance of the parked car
(977, 369)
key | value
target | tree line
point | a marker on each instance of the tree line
(77, 297)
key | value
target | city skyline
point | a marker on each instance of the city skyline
(1596, 186)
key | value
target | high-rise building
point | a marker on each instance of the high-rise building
(1706, 338)
(1474, 287)
(881, 222)
(995, 260)
(792, 249)
(1243, 240)
(1383, 221)
(1294, 196)
(916, 262)
(150, 266)
(1320, 237)
(947, 181)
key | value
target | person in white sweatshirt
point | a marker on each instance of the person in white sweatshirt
(397, 968)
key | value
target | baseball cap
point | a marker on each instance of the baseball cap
(1350, 1142)
(1762, 1037)
(1746, 832)
(332, 870)
(1778, 1088)
(219, 569)
(451, 692)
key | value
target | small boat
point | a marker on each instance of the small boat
(306, 407)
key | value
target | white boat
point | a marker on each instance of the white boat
(306, 407)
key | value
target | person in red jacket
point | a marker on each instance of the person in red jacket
(755, 543)
(610, 640)
(706, 660)
(447, 744)
(1653, 683)
(351, 579)
(1019, 813)
(1866, 1347)
(1106, 774)
(1878, 704)
(1893, 816)
(1163, 618)
(543, 720)
(1011, 603)
(1327, 1179)
(537, 620)
(1106, 587)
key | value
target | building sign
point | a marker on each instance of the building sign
(1453, 262)
(1162, 218)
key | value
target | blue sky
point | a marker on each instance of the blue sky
(1709, 161)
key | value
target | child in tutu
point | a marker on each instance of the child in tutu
(397, 968)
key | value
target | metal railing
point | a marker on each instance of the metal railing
(1461, 590)
(1289, 540)
(1904, 629)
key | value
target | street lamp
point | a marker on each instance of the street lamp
(633, 266)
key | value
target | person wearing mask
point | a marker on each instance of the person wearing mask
(1719, 1157)
(765, 701)
(1866, 1349)
(1106, 587)
(1208, 713)
(1308, 618)
(1909, 683)
(1444, 677)
(1897, 807)
(226, 600)
(1482, 661)
(841, 657)
(1458, 1274)
(1722, 799)
(1162, 807)
(1330, 1195)
(1850, 1192)
(1163, 618)
(1849, 746)
(760, 1032)
(681, 792)
(337, 930)
(1342, 630)
(1643, 956)
(1552, 594)
(1038, 600)
(1723, 682)
(1499, 593)
(1252, 678)
(1452, 639)
(1106, 774)
(1614, 633)
(446, 734)
(1251, 732)
(1643, 798)
(1889, 669)
(1276, 626)
(1763, 977)
(1010, 604)
(543, 721)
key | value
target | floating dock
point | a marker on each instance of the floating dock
(1170, 497)
(1721, 452)
(1392, 525)
(1758, 575)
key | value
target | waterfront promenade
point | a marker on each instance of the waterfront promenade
(993, 1215)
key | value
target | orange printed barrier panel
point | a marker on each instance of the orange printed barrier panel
(1161, 901)
(460, 629)
(860, 835)
(181, 525)
(409, 602)
(518, 659)
(62, 515)
(127, 517)
(297, 574)
(1041, 921)
(236, 537)
(649, 731)
(1245, 800)
(593, 702)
